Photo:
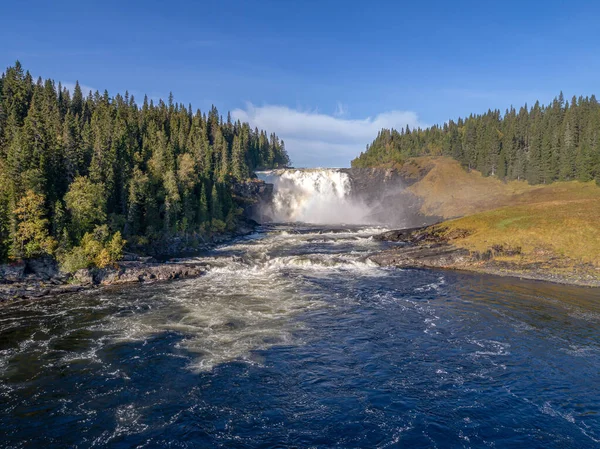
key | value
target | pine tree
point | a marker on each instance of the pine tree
(239, 167)
(103, 163)
(203, 213)
(216, 210)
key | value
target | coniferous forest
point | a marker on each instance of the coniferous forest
(82, 173)
(542, 144)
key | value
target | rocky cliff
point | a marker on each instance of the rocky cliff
(385, 191)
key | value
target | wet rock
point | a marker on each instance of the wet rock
(44, 268)
(401, 235)
(34, 291)
(129, 272)
(431, 256)
(84, 276)
(424, 247)
(12, 272)
(69, 289)
(252, 191)
(154, 272)
(252, 196)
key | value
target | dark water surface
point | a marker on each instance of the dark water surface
(293, 339)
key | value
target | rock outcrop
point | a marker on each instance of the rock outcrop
(128, 272)
(429, 256)
(421, 247)
(431, 247)
(251, 195)
(22, 285)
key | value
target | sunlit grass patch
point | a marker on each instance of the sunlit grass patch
(567, 229)
(448, 190)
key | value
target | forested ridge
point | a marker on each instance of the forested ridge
(79, 173)
(542, 144)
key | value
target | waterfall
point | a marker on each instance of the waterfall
(320, 196)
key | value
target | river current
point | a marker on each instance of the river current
(294, 339)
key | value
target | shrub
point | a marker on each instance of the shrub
(115, 247)
(217, 226)
(102, 259)
(96, 249)
(74, 260)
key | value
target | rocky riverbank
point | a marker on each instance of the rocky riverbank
(40, 278)
(161, 260)
(19, 282)
(432, 247)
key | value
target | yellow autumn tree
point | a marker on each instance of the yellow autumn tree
(31, 238)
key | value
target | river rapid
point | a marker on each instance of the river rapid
(295, 339)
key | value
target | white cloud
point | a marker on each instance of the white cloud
(314, 139)
(341, 110)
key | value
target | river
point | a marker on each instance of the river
(294, 339)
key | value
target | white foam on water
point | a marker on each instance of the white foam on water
(248, 302)
(434, 286)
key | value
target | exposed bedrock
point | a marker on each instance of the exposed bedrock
(346, 195)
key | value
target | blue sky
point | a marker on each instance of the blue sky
(324, 75)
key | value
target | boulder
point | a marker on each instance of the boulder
(429, 256)
(44, 268)
(84, 276)
(12, 272)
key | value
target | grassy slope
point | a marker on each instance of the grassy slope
(554, 227)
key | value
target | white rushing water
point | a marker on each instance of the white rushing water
(247, 299)
(317, 333)
(318, 196)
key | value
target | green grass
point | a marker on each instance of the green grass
(554, 228)
(508, 221)
(567, 229)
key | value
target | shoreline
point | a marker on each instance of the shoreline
(422, 249)
(418, 249)
(49, 282)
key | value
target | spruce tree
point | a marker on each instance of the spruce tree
(216, 209)
(100, 162)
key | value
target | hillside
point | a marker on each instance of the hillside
(447, 190)
(546, 232)
(542, 144)
(80, 173)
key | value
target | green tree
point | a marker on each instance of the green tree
(216, 210)
(203, 212)
(86, 203)
(100, 161)
(31, 238)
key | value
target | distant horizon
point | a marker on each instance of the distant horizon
(321, 77)
(257, 118)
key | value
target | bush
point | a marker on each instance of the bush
(74, 260)
(97, 249)
(115, 247)
(102, 259)
(217, 226)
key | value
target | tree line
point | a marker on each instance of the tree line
(542, 144)
(81, 173)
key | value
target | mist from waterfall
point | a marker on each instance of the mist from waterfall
(319, 196)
